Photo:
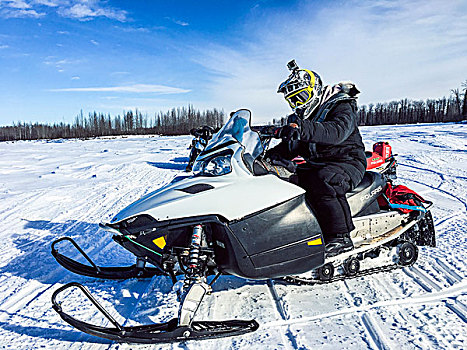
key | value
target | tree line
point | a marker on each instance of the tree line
(406, 111)
(177, 121)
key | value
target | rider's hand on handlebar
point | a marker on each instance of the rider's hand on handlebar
(290, 132)
(276, 159)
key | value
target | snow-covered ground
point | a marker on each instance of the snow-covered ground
(52, 189)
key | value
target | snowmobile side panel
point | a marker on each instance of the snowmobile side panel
(231, 258)
(263, 231)
(363, 196)
(262, 246)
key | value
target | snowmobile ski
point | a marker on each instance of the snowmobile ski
(138, 270)
(171, 331)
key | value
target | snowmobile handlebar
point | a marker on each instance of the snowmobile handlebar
(265, 131)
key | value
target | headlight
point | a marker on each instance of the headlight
(215, 166)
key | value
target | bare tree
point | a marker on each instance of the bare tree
(457, 100)
(464, 104)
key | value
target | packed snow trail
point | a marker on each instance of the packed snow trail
(66, 187)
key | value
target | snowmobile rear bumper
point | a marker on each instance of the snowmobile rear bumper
(138, 270)
(153, 333)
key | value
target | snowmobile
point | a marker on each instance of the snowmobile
(237, 215)
(201, 138)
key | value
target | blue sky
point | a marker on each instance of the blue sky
(60, 56)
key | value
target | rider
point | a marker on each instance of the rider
(323, 130)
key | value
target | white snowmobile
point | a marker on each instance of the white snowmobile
(233, 216)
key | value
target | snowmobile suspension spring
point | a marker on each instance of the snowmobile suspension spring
(193, 258)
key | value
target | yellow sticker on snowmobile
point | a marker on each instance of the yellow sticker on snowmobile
(315, 242)
(160, 242)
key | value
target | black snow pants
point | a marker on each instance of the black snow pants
(325, 188)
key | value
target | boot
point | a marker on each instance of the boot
(338, 244)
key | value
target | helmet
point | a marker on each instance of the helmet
(302, 89)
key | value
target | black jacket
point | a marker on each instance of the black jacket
(335, 139)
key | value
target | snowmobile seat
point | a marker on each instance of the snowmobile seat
(368, 178)
(362, 199)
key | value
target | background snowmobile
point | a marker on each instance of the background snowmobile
(235, 215)
(202, 136)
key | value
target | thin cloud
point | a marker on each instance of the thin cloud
(136, 88)
(137, 29)
(18, 9)
(82, 10)
(17, 4)
(54, 61)
(94, 42)
(60, 64)
(177, 21)
(119, 73)
(20, 13)
(49, 3)
(88, 11)
(4, 47)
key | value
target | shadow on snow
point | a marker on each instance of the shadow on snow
(37, 263)
(178, 163)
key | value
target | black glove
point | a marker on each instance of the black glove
(276, 159)
(290, 132)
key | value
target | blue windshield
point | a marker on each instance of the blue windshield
(238, 128)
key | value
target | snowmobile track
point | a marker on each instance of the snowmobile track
(375, 334)
(445, 220)
(429, 297)
(427, 283)
(287, 334)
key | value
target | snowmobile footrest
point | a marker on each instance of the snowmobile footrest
(153, 333)
(92, 270)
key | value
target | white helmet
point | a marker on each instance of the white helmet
(302, 89)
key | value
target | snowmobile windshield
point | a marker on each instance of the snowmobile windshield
(238, 128)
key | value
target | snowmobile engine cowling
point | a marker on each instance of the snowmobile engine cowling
(230, 197)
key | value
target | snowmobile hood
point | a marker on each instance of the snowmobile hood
(228, 196)
(230, 191)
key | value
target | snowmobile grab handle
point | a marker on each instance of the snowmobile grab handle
(138, 270)
(55, 251)
(58, 308)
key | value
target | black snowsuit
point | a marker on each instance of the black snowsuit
(335, 162)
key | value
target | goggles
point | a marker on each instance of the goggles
(287, 87)
(300, 97)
